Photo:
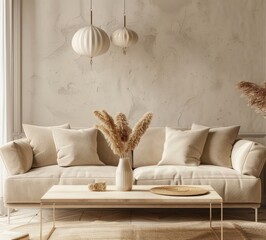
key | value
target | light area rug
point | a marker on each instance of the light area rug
(146, 224)
(252, 230)
(77, 230)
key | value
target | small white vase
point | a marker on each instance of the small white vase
(124, 175)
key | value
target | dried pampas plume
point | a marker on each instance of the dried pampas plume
(256, 95)
(110, 132)
(140, 128)
(120, 137)
(122, 126)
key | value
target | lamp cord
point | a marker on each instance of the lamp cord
(91, 10)
(125, 21)
(91, 25)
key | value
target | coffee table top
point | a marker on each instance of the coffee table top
(140, 196)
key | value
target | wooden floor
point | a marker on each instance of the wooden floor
(26, 216)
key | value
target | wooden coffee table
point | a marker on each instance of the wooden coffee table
(79, 196)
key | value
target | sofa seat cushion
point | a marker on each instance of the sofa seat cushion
(231, 185)
(88, 174)
(31, 186)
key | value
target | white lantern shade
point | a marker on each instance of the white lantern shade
(90, 41)
(124, 37)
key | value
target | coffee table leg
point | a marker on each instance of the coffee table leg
(53, 228)
(53, 215)
(222, 230)
(40, 221)
(210, 215)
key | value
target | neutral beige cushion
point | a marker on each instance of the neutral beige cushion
(183, 147)
(231, 185)
(248, 157)
(150, 148)
(105, 153)
(42, 142)
(219, 144)
(76, 147)
(83, 175)
(31, 186)
(17, 156)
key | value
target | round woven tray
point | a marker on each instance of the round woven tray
(179, 190)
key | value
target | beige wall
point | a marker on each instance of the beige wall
(184, 69)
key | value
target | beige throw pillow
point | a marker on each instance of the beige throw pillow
(219, 144)
(76, 147)
(17, 156)
(42, 142)
(183, 147)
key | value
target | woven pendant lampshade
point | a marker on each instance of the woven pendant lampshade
(90, 41)
(124, 37)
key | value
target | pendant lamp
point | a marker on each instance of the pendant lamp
(124, 37)
(90, 41)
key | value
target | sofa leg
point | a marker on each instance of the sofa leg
(256, 214)
(8, 216)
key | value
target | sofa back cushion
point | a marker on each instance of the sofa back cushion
(150, 148)
(104, 151)
(218, 146)
(42, 143)
(76, 147)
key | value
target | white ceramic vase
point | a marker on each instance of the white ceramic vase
(124, 175)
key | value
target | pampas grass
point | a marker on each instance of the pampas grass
(120, 137)
(123, 126)
(137, 132)
(111, 140)
(256, 95)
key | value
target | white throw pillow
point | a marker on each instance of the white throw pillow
(219, 144)
(42, 142)
(183, 147)
(76, 147)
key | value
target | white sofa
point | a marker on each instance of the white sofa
(239, 186)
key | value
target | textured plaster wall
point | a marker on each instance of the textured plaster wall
(184, 69)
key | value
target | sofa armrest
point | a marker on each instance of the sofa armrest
(17, 156)
(248, 157)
